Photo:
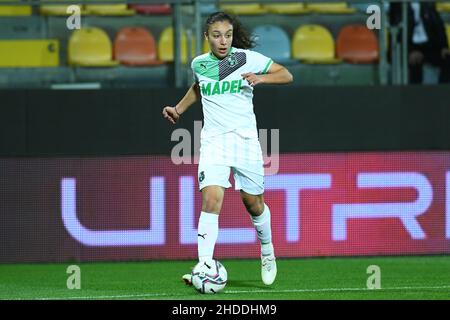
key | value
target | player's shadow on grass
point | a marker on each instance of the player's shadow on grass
(246, 284)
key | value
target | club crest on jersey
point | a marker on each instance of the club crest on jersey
(232, 60)
(201, 177)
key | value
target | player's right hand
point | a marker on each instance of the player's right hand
(170, 114)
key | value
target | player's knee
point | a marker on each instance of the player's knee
(254, 205)
(211, 204)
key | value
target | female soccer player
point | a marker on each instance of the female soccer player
(224, 79)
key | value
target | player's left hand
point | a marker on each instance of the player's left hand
(252, 78)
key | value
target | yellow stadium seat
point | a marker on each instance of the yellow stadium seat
(447, 30)
(29, 53)
(286, 8)
(90, 47)
(166, 46)
(14, 10)
(443, 6)
(330, 7)
(59, 9)
(243, 9)
(314, 44)
(109, 10)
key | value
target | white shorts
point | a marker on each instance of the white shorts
(220, 154)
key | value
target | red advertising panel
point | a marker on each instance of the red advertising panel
(141, 208)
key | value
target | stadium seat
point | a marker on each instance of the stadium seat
(447, 30)
(90, 47)
(135, 46)
(357, 44)
(286, 8)
(166, 46)
(361, 7)
(313, 43)
(29, 53)
(109, 10)
(243, 9)
(205, 46)
(11, 10)
(152, 9)
(59, 9)
(330, 7)
(208, 8)
(56, 10)
(273, 42)
(443, 6)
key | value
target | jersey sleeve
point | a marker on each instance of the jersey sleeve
(194, 75)
(258, 62)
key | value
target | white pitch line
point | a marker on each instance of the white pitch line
(335, 289)
(149, 295)
(115, 296)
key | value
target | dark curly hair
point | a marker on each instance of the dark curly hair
(241, 37)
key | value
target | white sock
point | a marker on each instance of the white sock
(208, 230)
(264, 231)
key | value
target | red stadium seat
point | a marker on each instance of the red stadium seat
(357, 44)
(135, 46)
(152, 9)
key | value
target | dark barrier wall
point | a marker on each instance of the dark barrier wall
(147, 207)
(124, 122)
(92, 207)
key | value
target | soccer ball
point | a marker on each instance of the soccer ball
(209, 276)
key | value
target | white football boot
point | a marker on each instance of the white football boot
(268, 269)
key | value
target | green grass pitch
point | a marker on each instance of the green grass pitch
(418, 277)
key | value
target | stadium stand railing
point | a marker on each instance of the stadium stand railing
(47, 20)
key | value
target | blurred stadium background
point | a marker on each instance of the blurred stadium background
(85, 156)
